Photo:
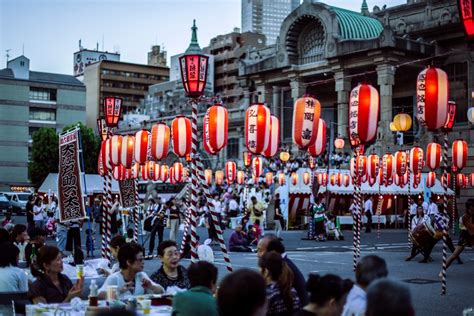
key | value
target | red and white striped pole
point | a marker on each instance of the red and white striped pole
(108, 232)
(215, 218)
(445, 210)
(194, 180)
(104, 216)
(186, 218)
(136, 213)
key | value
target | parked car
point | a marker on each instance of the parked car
(5, 204)
(18, 201)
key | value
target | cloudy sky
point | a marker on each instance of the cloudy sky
(49, 30)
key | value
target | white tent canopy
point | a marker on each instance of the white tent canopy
(376, 188)
(94, 184)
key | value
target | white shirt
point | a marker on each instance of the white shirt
(413, 208)
(217, 206)
(354, 208)
(13, 279)
(21, 247)
(118, 280)
(356, 302)
(233, 205)
(425, 207)
(417, 221)
(368, 206)
(38, 213)
(432, 209)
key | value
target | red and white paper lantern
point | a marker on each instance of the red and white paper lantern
(115, 149)
(269, 178)
(135, 170)
(172, 175)
(306, 178)
(416, 160)
(433, 156)
(219, 175)
(363, 114)
(181, 135)
(361, 166)
(345, 180)
(105, 151)
(118, 172)
(430, 179)
(257, 127)
(230, 171)
(323, 178)
(446, 179)
(273, 142)
(373, 166)
(333, 179)
(317, 148)
(432, 90)
(306, 113)
(178, 171)
(126, 153)
(208, 176)
(164, 173)
(160, 138)
(461, 180)
(294, 178)
(257, 166)
(144, 172)
(216, 123)
(150, 167)
(471, 179)
(240, 177)
(459, 152)
(142, 142)
(401, 162)
(387, 167)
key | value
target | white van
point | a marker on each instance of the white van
(18, 201)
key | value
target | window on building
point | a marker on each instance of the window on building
(32, 130)
(42, 94)
(232, 148)
(457, 74)
(41, 114)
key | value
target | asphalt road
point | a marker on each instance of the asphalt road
(336, 257)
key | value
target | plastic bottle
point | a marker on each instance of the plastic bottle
(93, 293)
(33, 254)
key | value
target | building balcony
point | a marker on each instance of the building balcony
(131, 79)
(123, 90)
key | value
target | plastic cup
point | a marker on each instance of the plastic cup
(112, 292)
(80, 270)
(146, 304)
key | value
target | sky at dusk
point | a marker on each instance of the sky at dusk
(49, 30)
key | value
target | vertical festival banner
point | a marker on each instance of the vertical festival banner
(127, 193)
(71, 200)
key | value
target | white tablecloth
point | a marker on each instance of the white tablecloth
(66, 310)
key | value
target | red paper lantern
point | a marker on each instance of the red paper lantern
(345, 180)
(160, 137)
(172, 175)
(105, 150)
(205, 141)
(126, 154)
(247, 158)
(193, 65)
(240, 177)
(102, 129)
(432, 91)
(230, 171)
(400, 162)
(381, 177)
(273, 138)
(363, 114)
(461, 180)
(306, 178)
(208, 176)
(430, 179)
(281, 179)
(459, 153)
(416, 179)
(156, 172)
(254, 179)
(416, 160)
(446, 179)
(317, 148)
(219, 175)
(448, 126)
(269, 178)
(306, 113)
(372, 181)
(361, 166)
(471, 179)
(433, 155)
(164, 173)
(257, 127)
(115, 149)
(181, 134)
(387, 166)
(294, 178)
(215, 123)
(466, 13)
(142, 139)
(339, 143)
(150, 167)
(333, 179)
(257, 166)
(128, 173)
(118, 173)
(144, 171)
(112, 111)
(373, 166)
(135, 170)
(178, 171)
(323, 179)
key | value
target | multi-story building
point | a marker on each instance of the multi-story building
(120, 79)
(30, 100)
(157, 57)
(228, 50)
(265, 16)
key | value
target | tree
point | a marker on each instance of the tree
(44, 155)
(90, 147)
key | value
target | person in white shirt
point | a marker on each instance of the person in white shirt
(368, 213)
(130, 280)
(419, 219)
(369, 269)
(38, 209)
(233, 207)
(12, 278)
(114, 246)
(20, 239)
(432, 208)
(412, 211)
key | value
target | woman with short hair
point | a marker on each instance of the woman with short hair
(12, 279)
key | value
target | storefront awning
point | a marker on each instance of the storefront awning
(93, 185)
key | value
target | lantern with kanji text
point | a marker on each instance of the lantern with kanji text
(112, 110)
(306, 113)
(466, 14)
(317, 148)
(363, 114)
(448, 126)
(230, 171)
(387, 166)
(416, 160)
(257, 127)
(102, 129)
(373, 165)
(400, 162)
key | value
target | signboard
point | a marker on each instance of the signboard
(85, 57)
(71, 199)
(127, 193)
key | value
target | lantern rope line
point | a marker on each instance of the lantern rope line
(445, 212)
(215, 218)
(108, 232)
(194, 177)
(103, 223)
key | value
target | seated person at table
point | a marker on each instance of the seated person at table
(20, 239)
(170, 273)
(12, 279)
(199, 299)
(51, 286)
(130, 280)
(115, 244)
(238, 240)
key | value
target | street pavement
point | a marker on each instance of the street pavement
(337, 257)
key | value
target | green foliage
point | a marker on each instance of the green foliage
(44, 155)
(90, 146)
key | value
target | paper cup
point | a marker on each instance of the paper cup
(146, 304)
(112, 291)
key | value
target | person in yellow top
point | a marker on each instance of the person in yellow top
(255, 209)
